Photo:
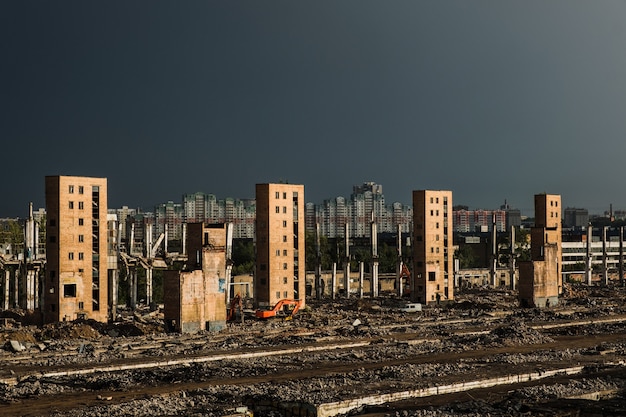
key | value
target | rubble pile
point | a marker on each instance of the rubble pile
(516, 333)
(397, 351)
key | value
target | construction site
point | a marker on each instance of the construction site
(284, 341)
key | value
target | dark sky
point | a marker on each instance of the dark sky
(493, 100)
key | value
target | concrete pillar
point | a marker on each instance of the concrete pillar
(113, 285)
(16, 288)
(333, 281)
(605, 268)
(38, 284)
(229, 262)
(184, 239)
(512, 260)
(621, 256)
(132, 293)
(131, 244)
(399, 279)
(346, 273)
(361, 275)
(494, 253)
(374, 237)
(319, 290)
(7, 283)
(149, 286)
(165, 239)
(148, 241)
(375, 278)
(588, 258)
(399, 263)
(29, 278)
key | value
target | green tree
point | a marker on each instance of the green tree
(387, 258)
(12, 232)
(243, 257)
(466, 257)
(325, 252)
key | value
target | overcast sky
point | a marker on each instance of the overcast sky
(493, 100)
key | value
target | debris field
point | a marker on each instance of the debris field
(336, 357)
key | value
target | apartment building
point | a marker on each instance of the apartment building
(76, 274)
(433, 252)
(201, 207)
(280, 244)
(366, 201)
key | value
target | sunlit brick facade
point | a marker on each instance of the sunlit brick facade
(76, 272)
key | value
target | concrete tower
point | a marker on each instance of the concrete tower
(433, 253)
(540, 280)
(76, 274)
(280, 244)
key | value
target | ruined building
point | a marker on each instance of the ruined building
(540, 279)
(76, 272)
(433, 252)
(280, 244)
(195, 298)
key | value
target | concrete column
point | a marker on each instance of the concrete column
(184, 239)
(133, 288)
(229, 262)
(361, 275)
(494, 253)
(333, 281)
(149, 286)
(399, 279)
(399, 263)
(131, 244)
(375, 278)
(7, 283)
(148, 241)
(37, 283)
(512, 260)
(346, 273)
(165, 239)
(621, 256)
(16, 288)
(605, 268)
(114, 296)
(374, 236)
(588, 265)
(346, 279)
(29, 278)
(319, 290)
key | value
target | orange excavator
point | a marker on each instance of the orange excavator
(292, 307)
(405, 278)
(234, 303)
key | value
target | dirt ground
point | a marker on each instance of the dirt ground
(331, 351)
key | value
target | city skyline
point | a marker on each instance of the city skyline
(494, 101)
(347, 195)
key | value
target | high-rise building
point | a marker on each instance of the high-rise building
(280, 244)
(575, 217)
(366, 202)
(169, 215)
(76, 272)
(433, 252)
